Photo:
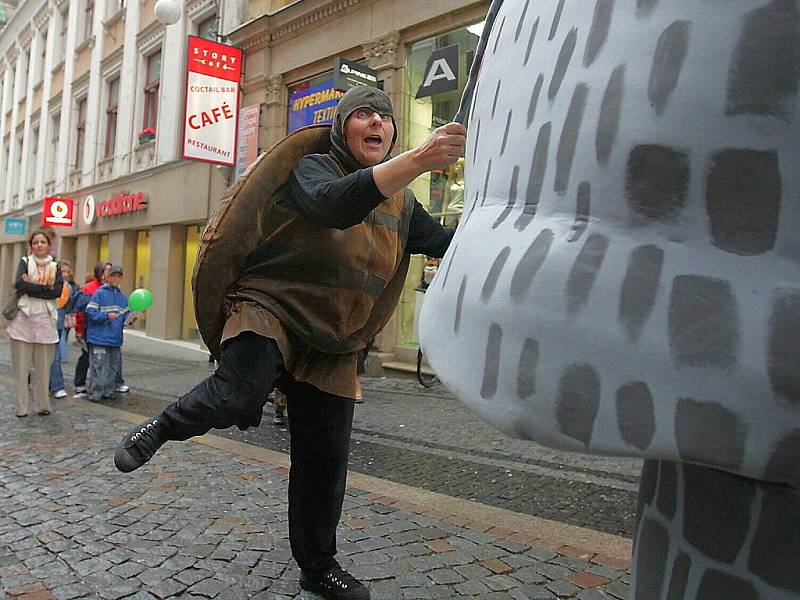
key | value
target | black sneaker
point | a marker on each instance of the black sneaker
(334, 584)
(139, 446)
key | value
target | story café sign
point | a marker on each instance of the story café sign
(118, 204)
(212, 101)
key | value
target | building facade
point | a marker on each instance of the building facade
(92, 109)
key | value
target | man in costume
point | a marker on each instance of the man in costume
(325, 279)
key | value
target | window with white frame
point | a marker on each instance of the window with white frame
(151, 85)
(61, 40)
(80, 133)
(23, 80)
(88, 18)
(4, 166)
(42, 53)
(18, 166)
(8, 93)
(33, 144)
(52, 147)
(113, 7)
(112, 106)
(51, 151)
(207, 28)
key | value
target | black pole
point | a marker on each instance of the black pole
(469, 90)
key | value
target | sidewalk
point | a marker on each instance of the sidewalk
(207, 519)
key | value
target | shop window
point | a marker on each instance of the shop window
(189, 330)
(111, 117)
(152, 82)
(436, 73)
(103, 248)
(142, 274)
(80, 133)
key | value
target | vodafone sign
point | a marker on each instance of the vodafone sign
(89, 210)
(58, 212)
(118, 204)
(121, 204)
(212, 101)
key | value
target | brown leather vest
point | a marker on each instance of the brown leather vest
(335, 289)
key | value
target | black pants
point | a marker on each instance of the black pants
(81, 368)
(319, 424)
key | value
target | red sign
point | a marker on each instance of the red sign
(212, 101)
(121, 204)
(214, 59)
(58, 212)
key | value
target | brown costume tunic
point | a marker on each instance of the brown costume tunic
(330, 272)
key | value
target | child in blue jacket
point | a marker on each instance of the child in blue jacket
(105, 318)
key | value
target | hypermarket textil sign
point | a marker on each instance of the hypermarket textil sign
(212, 101)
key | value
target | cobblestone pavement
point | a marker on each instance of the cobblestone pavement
(427, 439)
(210, 522)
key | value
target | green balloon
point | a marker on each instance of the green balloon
(140, 299)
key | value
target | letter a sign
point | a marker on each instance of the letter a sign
(441, 72)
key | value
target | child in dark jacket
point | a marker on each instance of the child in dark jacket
(105, 318)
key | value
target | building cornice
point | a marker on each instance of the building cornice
(319, 14)
(281, 24)
(42, 16)
(54, 103)
(196, 9)
(260, 39)
(112, 62)
(80, 86)
(148, 37)
(25, 37)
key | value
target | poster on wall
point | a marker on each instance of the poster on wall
(313, 105)
(58, 212)
(212, 101)
(247, 140)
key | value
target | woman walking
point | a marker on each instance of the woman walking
(32, 332)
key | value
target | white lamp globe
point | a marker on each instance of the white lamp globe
(168, 12)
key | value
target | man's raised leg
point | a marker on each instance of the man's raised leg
(234, 395)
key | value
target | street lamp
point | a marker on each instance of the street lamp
(168, 12)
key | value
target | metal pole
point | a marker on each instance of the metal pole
(469, 90)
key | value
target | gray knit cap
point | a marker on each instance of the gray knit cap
(355, 98)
